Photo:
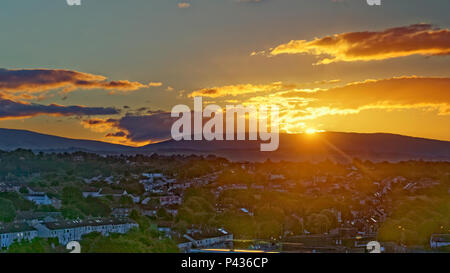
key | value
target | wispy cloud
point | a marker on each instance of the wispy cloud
(155, 84)
(184, 5)
(248, 88)
(239, 89)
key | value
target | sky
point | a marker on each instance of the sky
(112, 70)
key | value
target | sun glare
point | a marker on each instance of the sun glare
(311, 131)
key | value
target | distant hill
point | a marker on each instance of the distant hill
(11, 139)
(333, 145)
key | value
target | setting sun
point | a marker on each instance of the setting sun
(311, 131)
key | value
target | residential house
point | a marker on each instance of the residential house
(8, 187)
(39, 198)
(146, 200)
(172, 209)
(170, 200)
(439, 240)
(11, 233)
(165, 227)
(219, 238)
(246, 211)
(73, 230)
(87, 194)
(184, 245)
(121, 212)
(135, 199)
(149, 212)
(37, 216)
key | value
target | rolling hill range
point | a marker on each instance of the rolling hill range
(11, 139)
(333, 145)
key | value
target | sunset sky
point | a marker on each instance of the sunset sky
(111, 70)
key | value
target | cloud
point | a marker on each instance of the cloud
(26, 81)
(297, 106)
(418, 39)
(399, 93)
(134, 130)
(119, 134)
(12, 110)
(99, 125)
(155, 84)
(240, 89)
(155, 127)
(183, 5)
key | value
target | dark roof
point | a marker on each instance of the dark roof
(112, 191)
(29, 215)
(440, 237)
(83, 223)
(165, 224)
(90, 189)
(15, 227)
(182, 240)
(208, 235)
(150, 206)
(172, 206)
(36, 195)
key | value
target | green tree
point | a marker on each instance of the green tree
(23, 190)
(7, 210)
(37, 245)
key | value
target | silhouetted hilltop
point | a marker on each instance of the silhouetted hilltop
(334, 145)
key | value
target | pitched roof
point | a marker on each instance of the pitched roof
(82, 223)
(15, 227)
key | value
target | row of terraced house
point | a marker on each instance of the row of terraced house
(65, 231)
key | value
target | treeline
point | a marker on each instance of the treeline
(11, 203)
(25, 165)
(416, 218)
(266, 215)
(75, 206)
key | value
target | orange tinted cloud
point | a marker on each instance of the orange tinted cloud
(25, 81)
(99, 125)
(234, 90)
(401, 93)
(299, 108)
(242, 89)
(155, 84)
(184, 5)
(420, 39)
